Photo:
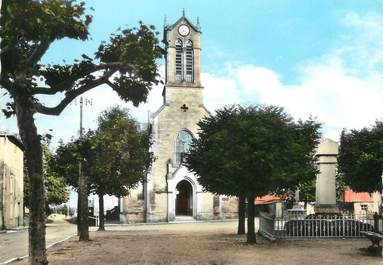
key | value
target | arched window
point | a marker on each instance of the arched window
(184, 139)
(189, 61)
(178, 60)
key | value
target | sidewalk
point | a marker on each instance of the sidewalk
(14, 243)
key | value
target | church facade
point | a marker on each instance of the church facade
(171, 192)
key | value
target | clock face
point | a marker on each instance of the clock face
(183, 30)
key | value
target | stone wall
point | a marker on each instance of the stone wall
(229, 207)
(11, 184)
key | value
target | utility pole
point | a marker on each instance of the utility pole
(82, 217)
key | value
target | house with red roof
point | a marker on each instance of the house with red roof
(363, 202)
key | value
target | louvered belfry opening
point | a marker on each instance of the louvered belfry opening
(189, 61)
(184, 61)
(179, 60)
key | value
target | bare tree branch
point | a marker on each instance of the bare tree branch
(38, 52)
(72, 94)
(44, 90)
(65, 85)
(7, 84)
(115, 87)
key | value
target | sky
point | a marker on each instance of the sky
(320, 58)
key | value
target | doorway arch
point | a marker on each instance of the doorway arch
(184, 198)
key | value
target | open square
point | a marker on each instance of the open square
(201, 243)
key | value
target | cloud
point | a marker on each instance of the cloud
(219, 91)
(343, 88)
(362, 47)
(97, 100)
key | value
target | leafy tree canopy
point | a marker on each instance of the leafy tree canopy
(122, 152)
(117, 154)
(360, 158)
(30, 27)
(58, 192)
(57, 189)
(307, 191)
(68, 156)
(253, 151)
(126, 63)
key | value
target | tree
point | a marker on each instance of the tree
(241, 215)
(70, 160)
(127, 63)
(251, 152)
(57, 189)
(122, 156)
(360, 158)
(307, 192)
(117, 156)
(340, 186)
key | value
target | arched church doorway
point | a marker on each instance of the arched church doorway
(184, 198)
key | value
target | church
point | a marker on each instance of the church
(170, 192)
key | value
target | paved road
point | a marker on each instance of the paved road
(15, 244)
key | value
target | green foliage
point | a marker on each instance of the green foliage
(360, 158)
(30, 27)
(122, 153)
(27, 23)
(253, 151)
(340, 186)
(307, 191)
(117, 155)
(68, 156)
(62, 210)
(57, 189)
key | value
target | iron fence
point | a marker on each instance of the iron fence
(315, 226)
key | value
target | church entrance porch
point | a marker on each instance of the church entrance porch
(184, 199)
(185, 196)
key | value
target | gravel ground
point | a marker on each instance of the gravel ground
(201, 243)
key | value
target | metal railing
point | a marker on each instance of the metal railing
(96, 220)
(315, 226)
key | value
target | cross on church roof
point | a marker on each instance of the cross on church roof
(184, 108)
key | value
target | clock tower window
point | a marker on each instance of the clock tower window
(189, 61)
(179, 60)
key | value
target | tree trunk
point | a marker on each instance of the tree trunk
(78, 208)
(241, 215)
(83, 213)
(37, 190)
(101, 226)
(250, 220)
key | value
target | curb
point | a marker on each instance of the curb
(13, 230)
(26, 256)
(174, 222)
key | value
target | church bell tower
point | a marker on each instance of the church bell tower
(183, 52)
(172, 192)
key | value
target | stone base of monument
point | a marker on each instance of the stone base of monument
(327, 209)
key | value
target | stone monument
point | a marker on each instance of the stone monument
(325, 195)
